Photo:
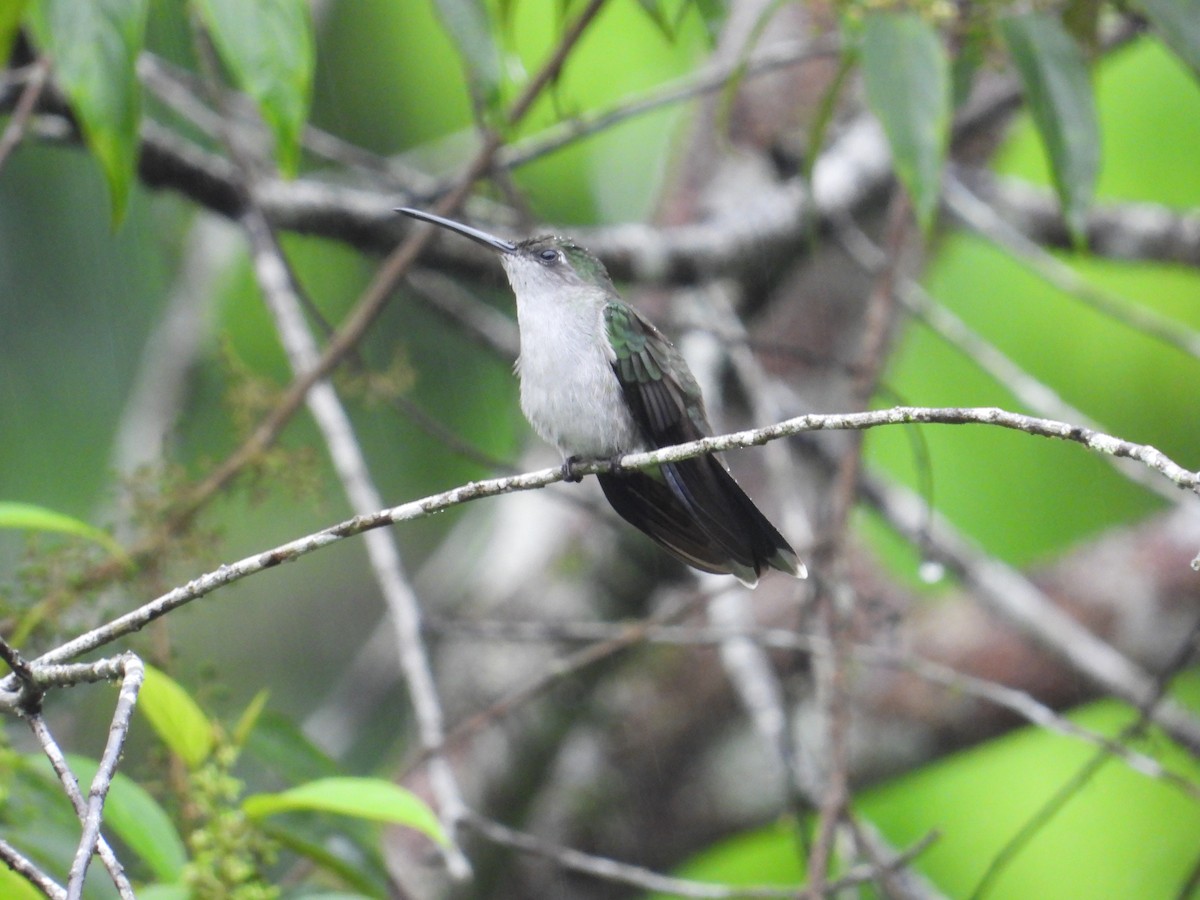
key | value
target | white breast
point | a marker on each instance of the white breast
(569, 392)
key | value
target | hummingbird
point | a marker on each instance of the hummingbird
(598, 381)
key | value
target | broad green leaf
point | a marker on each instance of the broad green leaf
(1058, 89)
(267, 46)
(908, 87)
(466, 22)
(30, 517)
(363, 798)
(94, 45)
(10, 20)
(175, 718)
(1178, 24)
(249, 717)
(137, 819)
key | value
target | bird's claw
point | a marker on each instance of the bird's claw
(568, 470)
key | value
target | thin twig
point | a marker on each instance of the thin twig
(1037, 396)
(705, 81)
(1021, 703)
(980, 217)
(1011, 595)
(35, 83)
(23, 866)
(648, 880)
(281, 298)
(833, 596)
(1086, 772)
(131, 683)
(373, 299)
(70, 784)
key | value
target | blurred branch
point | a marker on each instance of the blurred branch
(281, 298)
(1013, 596)
(1075, 784)
(990, 224)
(1137, 232)
(24, 867)
(373, 299)
(1037, 396)
(70, 786)
(706, 81)
(31, 93)
(1021, 703)
(647, 880)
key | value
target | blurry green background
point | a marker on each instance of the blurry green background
(78, 302)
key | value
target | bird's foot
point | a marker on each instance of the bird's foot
(569, 472)
(571, 465)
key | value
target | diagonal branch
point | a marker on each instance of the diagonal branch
(904, 415)
(70, 785)
(131, 683)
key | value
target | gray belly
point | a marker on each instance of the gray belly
(581, 411)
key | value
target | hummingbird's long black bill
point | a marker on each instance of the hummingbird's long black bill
(482, 237)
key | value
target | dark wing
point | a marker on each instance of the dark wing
(693, 508)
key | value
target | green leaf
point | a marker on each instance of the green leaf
(15, 887)
(29, 517)
(466, 23)
(10, 20)
(176, 718)
(1058, 89)
(363, 798)
(1178, 24)
(134, 816)
(908, 87)
(249, 717)
(94, 45)
(267, 46)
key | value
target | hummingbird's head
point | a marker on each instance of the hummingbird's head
(537, 265)
(550, 262)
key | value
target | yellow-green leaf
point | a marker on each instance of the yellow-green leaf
(10, 20)
(176, 718)
(30, 517)
(94, 46)
(1058, 89)
(907, 78)
(267, 45)
(249, 717)
(363, 798)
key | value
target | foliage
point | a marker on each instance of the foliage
(228, 798)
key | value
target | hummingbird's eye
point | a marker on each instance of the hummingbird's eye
(549, 255)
